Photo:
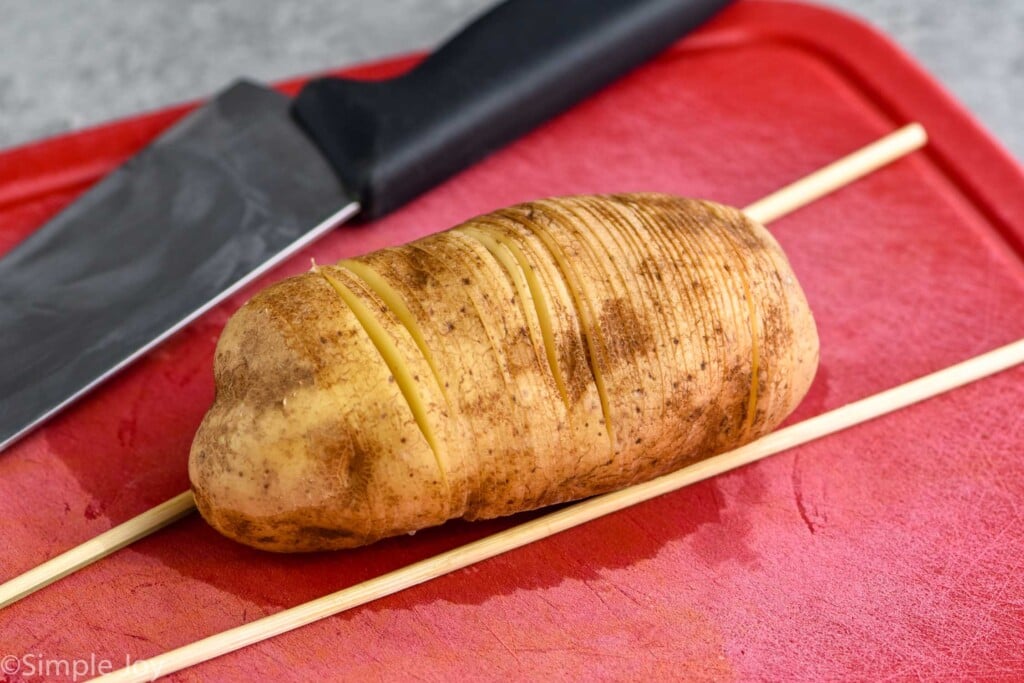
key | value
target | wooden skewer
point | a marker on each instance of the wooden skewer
(85, 554)
(567, 518)
(788, 199)
(839, 173)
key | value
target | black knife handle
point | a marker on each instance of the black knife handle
(516, 66)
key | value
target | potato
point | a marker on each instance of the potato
(543, 353)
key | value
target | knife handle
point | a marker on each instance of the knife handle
(516, 66)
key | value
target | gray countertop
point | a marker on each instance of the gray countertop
(66, 64)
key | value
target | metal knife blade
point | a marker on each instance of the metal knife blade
(229, 191)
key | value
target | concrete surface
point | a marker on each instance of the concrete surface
(65, 64)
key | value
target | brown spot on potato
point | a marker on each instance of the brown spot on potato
(628, 335)
(650, 268)
(264, 369)
(419, 267)
(234, 524)
(574, 361)
(318, 533)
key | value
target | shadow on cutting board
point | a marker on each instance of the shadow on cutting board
(197, 551)
(133, 436)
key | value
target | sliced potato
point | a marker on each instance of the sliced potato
(543, 353)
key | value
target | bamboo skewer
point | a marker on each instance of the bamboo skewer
(839, 173)
(823, 425)
(96, 548)
(828, 179)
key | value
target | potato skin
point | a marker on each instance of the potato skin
(559, 349)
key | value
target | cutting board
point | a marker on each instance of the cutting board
(894, 549)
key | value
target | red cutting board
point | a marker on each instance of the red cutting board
(894, 549)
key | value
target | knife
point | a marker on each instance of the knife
(251, 177)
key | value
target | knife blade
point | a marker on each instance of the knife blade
(252, 177)
(234, 188)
